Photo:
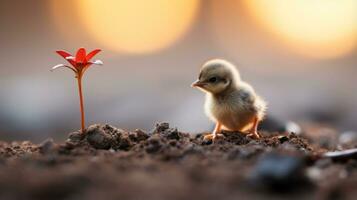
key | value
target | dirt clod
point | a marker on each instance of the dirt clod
(98, 137)
(48, 146)
(153, 144)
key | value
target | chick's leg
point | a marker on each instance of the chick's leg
(216, 130)
(254, 130)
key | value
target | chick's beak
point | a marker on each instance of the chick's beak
(197, 83)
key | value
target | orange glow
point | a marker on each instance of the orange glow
(137, 26)
(316, 28)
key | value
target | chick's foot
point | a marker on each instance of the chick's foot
(213, 137)
(253, 135)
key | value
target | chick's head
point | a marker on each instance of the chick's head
(217, 76)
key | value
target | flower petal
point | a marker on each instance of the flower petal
(92, 54)
(65, 55)
(81, 56)
(96, 62)
(62, 65)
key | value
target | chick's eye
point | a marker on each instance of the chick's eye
(212, 80)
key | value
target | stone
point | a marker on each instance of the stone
(279, 172)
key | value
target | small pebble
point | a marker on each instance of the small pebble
(293, 127)
(279, 172)
(342, 155)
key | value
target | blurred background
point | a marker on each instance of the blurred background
(300, 55)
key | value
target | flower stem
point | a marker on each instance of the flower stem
(79, 80)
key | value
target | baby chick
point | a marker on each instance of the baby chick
(231, 103)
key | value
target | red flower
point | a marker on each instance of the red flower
(79, 65)
(81, 62)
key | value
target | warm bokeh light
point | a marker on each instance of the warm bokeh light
(137, 26)
(317, 28)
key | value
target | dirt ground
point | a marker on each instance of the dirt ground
(110, 163)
